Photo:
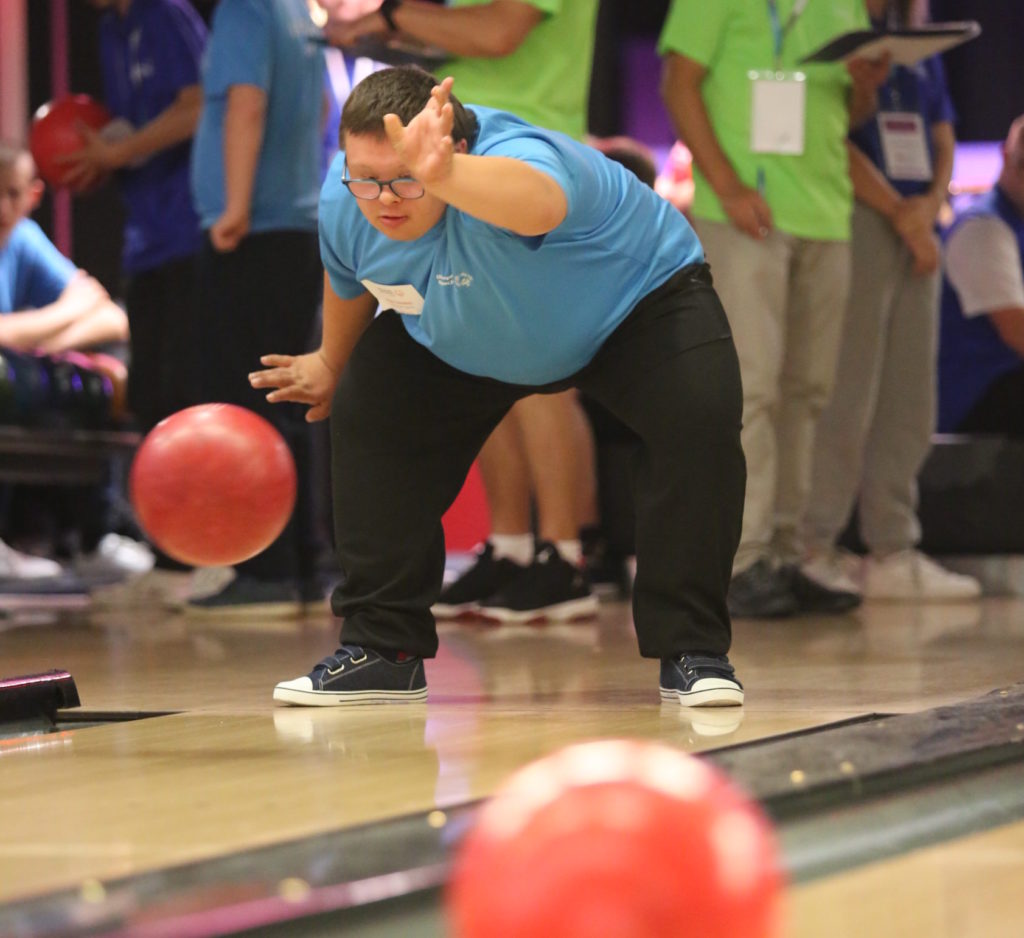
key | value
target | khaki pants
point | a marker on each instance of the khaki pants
(875, 433)
(785, 298)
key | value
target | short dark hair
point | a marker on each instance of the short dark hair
(403, 90)
(637, 162)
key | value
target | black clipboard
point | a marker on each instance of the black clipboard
(905, 46)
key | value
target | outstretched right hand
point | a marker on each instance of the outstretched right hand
(303, 379)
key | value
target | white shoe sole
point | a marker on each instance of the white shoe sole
(323, 698)
(287, 610)
(584, 608)
(922, 597)
(721, 694)
(445, 611)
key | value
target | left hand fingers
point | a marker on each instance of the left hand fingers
(272, 378)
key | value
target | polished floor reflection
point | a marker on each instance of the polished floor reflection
(229, 770)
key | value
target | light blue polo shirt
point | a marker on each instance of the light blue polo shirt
(33, 273)
(264, 43)
(525, 310)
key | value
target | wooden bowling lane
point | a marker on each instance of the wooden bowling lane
(967, 888)
(886, 658)
(114, 800)
(231, 771)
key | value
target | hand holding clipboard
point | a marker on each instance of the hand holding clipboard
(904, 46)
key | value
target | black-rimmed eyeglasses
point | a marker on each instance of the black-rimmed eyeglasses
(405, 187)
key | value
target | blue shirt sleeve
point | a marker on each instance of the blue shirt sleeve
(38, 270)
(239, 51)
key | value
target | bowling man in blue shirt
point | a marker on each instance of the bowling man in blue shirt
(509, 260)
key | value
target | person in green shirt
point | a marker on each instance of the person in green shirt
(772, 206)
(533, 58)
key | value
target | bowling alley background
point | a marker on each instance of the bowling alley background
(986, 79)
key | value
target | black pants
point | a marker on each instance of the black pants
(405, 428)
(263, 298)
(165, 368)
(1000, 409)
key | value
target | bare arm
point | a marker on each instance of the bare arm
(870, 185)
(70, 317)
(1009, 323)
(106, 323)
(244, 121)
(486, 30)
(921, 211)
(680, 89)
(872, 188)
(504, 192)
(311, 378)
(345, 321)
(99, 154)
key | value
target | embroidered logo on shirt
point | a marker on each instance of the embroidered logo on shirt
(454, 280)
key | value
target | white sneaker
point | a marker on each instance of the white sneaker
(115, 554)
(19, 566)
(835, 569)
(910, 575)
(167, 588)
(163, 588)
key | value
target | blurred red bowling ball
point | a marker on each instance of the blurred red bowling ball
(54, 132)
(213, 485)
(617, 839)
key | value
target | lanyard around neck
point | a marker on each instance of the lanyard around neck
(779, 29)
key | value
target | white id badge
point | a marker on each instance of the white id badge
(904, 146)
(778, 103)
(404, 298)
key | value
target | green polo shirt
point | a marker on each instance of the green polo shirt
(811, 194)
(546, 81)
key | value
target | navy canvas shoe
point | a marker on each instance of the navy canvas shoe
(250, 598)
(699, 680)
(354, 675)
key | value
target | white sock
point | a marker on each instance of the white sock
(515, 547)
(572, 551)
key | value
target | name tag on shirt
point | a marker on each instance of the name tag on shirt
(778, 102)
(403, 298)
(904, 146)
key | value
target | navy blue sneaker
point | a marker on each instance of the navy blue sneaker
(354, 675)
(699, 680)
(247, 597)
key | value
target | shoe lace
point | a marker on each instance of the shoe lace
(337, 661)
(695, 663)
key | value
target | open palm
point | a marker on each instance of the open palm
(425, 143)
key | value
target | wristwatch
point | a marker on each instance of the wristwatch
(387, 10)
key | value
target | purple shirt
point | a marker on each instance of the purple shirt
(147, 57)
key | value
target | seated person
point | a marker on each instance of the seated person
(981, 352)
(48, 305)
(60, 307)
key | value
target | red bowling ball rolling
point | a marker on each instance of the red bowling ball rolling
(213, 485)
(617, 839)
